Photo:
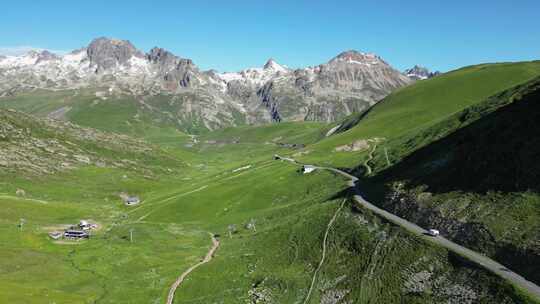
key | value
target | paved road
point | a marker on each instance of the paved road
(181, 278)
(484, 261)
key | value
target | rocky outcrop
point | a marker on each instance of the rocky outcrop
(165, 59)
(420, 73)
(468, 231)
(45, 56)
(105, 53)
(173, 70)
(412, 207)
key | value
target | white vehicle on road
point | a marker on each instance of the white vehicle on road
(433, 232)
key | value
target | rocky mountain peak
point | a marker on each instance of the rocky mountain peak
(160, 55)
(353, 56)
(45, 56)
(105, 53)
(271, 64)
(166, 59)
(419, 73)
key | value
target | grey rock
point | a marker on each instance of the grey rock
(174, 70)
(46, 56)
(105, 53)
(350, 82)
(420, 73)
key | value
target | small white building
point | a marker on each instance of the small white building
(308, 169)
(433, 232)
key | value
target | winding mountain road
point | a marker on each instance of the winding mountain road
(478, 258)
(182, 277)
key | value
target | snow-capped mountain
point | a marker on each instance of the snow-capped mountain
(256, 76)
(420, 73)
(352, 81)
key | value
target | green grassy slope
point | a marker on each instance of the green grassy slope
(421, 105)
(287, 132)
(276, 260)
(157, 118)
(119, 113)
(368, 260)
(478, 180)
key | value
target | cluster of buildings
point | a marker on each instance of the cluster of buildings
(74, 232)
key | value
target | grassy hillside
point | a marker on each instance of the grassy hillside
(139, 115)
(31, 146)
(420, 106)
(367, 260)
(478, 180)
(214, 186)
(287, 132)
(132, 115)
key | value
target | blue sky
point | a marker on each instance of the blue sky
(231, 35)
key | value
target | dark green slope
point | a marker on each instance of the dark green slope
(497, 152)
(478, 181)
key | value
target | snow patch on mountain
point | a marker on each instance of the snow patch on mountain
(257, 76)
(18, 61)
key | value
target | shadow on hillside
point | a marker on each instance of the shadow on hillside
(499, 152)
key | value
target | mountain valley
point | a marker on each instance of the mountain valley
(240, 170)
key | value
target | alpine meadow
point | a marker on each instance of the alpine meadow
(130, 174)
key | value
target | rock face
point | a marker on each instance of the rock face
(174, 71)
(104, 53)
(350, 82)
(420, 73)
(45, 56)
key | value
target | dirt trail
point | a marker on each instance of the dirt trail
(370, 157)
(330, 224)
(207, 258)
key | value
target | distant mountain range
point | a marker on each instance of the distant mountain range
(420, 73)
(350, 82)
